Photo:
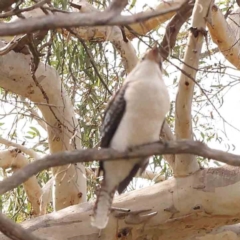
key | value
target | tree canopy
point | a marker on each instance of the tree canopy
(61, 62)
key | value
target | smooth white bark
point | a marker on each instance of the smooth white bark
(70, 182)
(26, 150)
(12, 159)
(186, 164)
(181, 208)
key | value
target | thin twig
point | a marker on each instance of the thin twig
(91, 60)
(89, 155)
(201, 89)
(27, 9)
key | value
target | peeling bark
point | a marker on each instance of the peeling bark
(226, 34)
(187, 164)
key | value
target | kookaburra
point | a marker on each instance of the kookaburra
(134, 116)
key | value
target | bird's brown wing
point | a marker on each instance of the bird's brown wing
(112, 118)
(141, 165)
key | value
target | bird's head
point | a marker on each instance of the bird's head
(153, 55)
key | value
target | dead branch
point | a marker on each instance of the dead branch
(173, 28)
(66, 20)
(166, 46)
(89, 155)
(96, 34)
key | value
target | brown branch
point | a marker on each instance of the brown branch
(131, 31)
(66, 20)
(173, 28)
(27, 9)
(15, 231)
(166, 46)
(89, 155)
(6, 4)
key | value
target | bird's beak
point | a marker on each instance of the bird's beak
(154, 55)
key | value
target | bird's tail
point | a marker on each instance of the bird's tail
(102, 207)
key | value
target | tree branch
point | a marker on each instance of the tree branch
(166, 46)
(14, 159)
(190, 203)
(15, 231)
(117, 6)
(225, 34)
(187, 164)
(173, 28)
(27, 9)
(57, 110)
(26, 150)
(99, 34)
(112, 34)
(89, 155)
(66, 20)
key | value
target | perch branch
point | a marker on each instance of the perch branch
(89, 155)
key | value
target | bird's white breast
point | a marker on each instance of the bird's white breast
(147, 102)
